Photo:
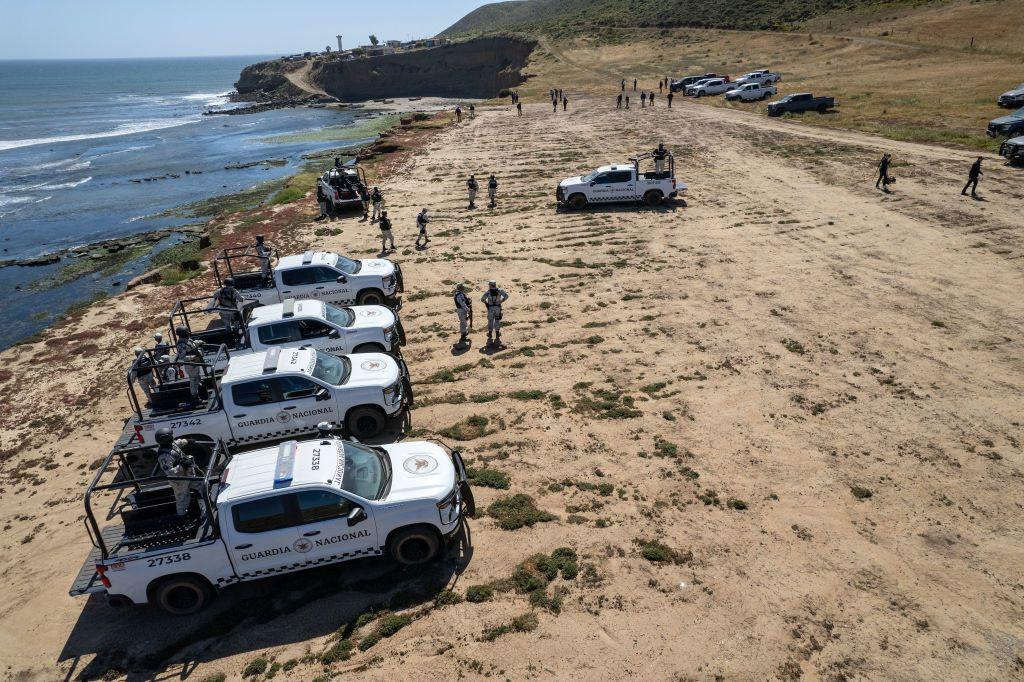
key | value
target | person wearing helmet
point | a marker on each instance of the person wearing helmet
(377, 199)
(188, 351)
(264, 253)
(386, 235)
(142, 371)
(228, 303)
(173, 461)
(492, 299)
(472, 186)
(421, 223)
(464, 310)
(166, 370)
(492, 189)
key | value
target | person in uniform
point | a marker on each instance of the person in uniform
(174, 462)
(385, 232)
(458, 114)
(472, 187)
(492, 300)
(263, 252)
(565, 103)
(972, 178)
(142, 371)
(230, 302)
(618, 101)
(188, 351)
(464, 310)
(472, 111)
(519, 108)
(883, 172)
(364, 197)
(670, 96)
(377, 199)
(650, 99)
(643, 99)
(492, 189)
(321, 200)
(421, 224)
(659, 157)
(167, 371)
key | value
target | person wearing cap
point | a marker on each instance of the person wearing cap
(421, 223)
(168, 372)
(464, 310)
(492, 299)
(171, 457)
(472, 186)
(492, 189)
(263, 252)
(142, 371)
(385, 232)
(228, 302)
(189, 352)
(377, 199)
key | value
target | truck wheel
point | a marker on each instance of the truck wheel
(577, 202)
(414, 546)
(370, 297)
(365, 422)
(369, 348)
(654, 198)
(700, 93)
(822, 108)
(182, 595)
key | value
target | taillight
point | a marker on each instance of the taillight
(102, 571)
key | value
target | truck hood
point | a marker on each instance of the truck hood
(371, 316)
(1016, 92)
(1015, 117)
(420, 470)
(373, 369)
(377, 266)
(568, 182)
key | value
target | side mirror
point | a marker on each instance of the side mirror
(323, 394)
(342, 279)
(592, 183)
(334, 334)
(357, 515)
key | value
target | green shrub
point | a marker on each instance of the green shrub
(489, 478)
(255, 667)
(447, 598)
(479, 593)
(659, 553)
(517, 511)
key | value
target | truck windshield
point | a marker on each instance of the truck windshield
(366, 472)
(331, 369)
(347, 265)
(589, 176)
(342, 317)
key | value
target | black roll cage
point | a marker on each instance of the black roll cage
(670, 157)
(179, 315)
(206, 371)
(224, 263)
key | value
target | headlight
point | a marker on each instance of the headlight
(389, 332)
(448, 508)
(389, 281)
(393, 393)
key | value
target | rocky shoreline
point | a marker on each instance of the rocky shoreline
(103, 249)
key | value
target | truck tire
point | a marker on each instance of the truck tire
(370, 297)
(182, 595)
(654, 197)
(700, 93)
(577, 202)
(414, 546)
(369, 348)
(822, 108)
(365, 422)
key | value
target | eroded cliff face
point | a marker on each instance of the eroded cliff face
(267, 79)
(477, 68)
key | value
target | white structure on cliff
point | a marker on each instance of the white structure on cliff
(340, 48)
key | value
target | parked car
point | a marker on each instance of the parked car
(708, 86)
(340, 187)
(750, 92)
(622, 183)
(683, 83)
(762, 77)
(1009, 125)
(1012, 98)
(800, 102)
(1013, 150)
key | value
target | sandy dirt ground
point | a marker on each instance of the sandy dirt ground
(809, 391)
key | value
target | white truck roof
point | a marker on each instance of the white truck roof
(290, 309)
(290, 464)
(307, 259)
(242, 367)
(616, 167)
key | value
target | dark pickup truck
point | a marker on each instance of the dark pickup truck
(1013, 150)
(1009, 125)
(800, 102)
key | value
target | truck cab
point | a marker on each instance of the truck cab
(749, 92)
(622, 183)
(1013, 151)
(322, 275)
(266, 511)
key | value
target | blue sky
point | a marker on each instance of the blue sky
(69, 29)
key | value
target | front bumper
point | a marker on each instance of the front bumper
(560, 194)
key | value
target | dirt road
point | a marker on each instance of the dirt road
(808, 391)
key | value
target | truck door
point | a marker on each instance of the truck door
(323, 337)
(327, 288)
(328, 532)
(252, 408)
(304, 404)
(264, 536)
(297, 283)
(622, 185)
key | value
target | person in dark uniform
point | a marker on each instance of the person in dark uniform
(634, 85)
(554, 105)
(187, 350)
(492, 189)
(493, 299)
(660, 154)
(627, 101)
(458, 114)
(519, 108)
(643, 99)
(142, 371)
(377, 199)
(670, 96)
(421, 224)
(337, 162)
(229, 301)
(618, 101)
(385, 232)
(972, 178)
(661, 86)
(650, 99)
(472, 188)
(883, 172)
(364, 197)
(565, 103)
(623, 85)
(264, 253)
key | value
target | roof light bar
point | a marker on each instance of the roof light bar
(270, 361)
(288, 308)
(285, 464)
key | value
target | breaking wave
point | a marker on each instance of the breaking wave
(124, 129)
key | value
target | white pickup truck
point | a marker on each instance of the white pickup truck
(761, 77)
(292, 324)
(340, 187)
(710, 86)
(322, 275)
(622, 183)
(270, 395)
(750, 92)
(264, 512)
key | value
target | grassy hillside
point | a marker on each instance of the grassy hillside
(571, 17)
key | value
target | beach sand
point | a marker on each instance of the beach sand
(809, 391)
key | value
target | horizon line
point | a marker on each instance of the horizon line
(173, 56)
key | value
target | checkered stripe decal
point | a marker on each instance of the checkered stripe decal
(369, 551)
(298, 430)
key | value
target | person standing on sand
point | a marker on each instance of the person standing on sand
(634, 85)
(519, 108)
(643, 99)
(378, 202)
(464, 311)
(458, 113)
(670, 95)
(492, 189)
(493, 299)
(472, 187)
(472, 111)
(627, 101)
(623, 85)
(321, 199)
(554, 106)
(883, 173)
(972, 178)
(661, 87)
(618, 101)
(421, 224)
(385, 232)
(565, 103)
(650, 98)
(364, 197)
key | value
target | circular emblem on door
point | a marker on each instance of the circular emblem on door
(373, 365)
(282, 417)
(302, 545)
(420, 464)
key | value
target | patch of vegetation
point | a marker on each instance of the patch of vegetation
(489, 478)
(659, 553)
(388, 625)
(469, 428)
(479, 593)
(860, 492)
(605, 403)
(485, 397)
(447, 598)
(517, 511)
(710, 498)
(794, 346)
(256, 666)
(215, 677)
(733, 503)
(524, 623)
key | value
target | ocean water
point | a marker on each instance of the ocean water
(74, 134)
